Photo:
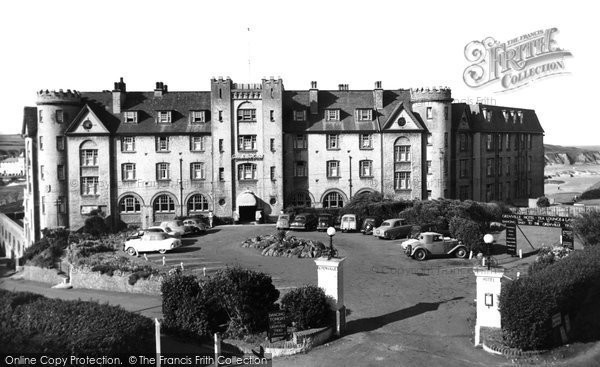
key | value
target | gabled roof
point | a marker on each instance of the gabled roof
(87, 112)
(406, 108)
(29, 128)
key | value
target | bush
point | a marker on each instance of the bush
(587, 227)
(307, 307)
(96, 226)
(468, 232)
(35, 324)
(590, 194)
(543, 202)
(47, 251)
(547, 256)
(570, 286)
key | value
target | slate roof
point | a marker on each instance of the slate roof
(498, 123)
(29, 121)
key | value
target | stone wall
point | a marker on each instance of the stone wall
(43, 275)
(119, 282)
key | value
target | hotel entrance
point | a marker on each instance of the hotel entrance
(246, 206)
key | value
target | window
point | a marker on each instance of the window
(507, 142)
(272, 145)
(61, 203)
(197, 171)
(489, 142)
(445, 140)
(163, 117)
(162, 171)
(60, 171)
(128, 144)
(516, 141)
(272, 173)
(247, 143)
(197, 117)
(128, 171)
(164, 204)
(402, 180)
(129, 204)
(488, 115)
(246, 115)
(197, 143)
(162, 143)
(300, 115)
(60, 143)
(300, 169)
(364, 114)
(463, 192)
(89, 186)
(463, 168)
(60, 116)
(333, 200)
(197, 203)
(429, 172)
(221, 149)
(221, 174)
(89, 157)
(505, 114)
(247, 171)
(446, 113)
(366, 141)
(489, 192)
(40, 116)
(332, 115)
(365, 168)
(41, 142)
(43, 205)
(42, 172)
(130, 117)
(333, 141)
(220, 116)
(429, 113)
(462, 142)
(300, 142)
(489, 167)
(300, 199)
(333, 169)
(529, 141)
(445, 168)
(429, 139)
(508, 166)
(272, 115)
(500, 143)
(402, 153)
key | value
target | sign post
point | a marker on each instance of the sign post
(512, 221)
(157, 339)
(277, 325)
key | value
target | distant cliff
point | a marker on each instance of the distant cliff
(556, 154)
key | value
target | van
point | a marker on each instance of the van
(349, 223)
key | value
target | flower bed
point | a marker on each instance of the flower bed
(279, 244)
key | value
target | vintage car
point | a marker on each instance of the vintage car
(369, 224)
(167, 231)
(325, 221)
(196, 225)
(149, 242)
(432, 243)
(392, 229)
(349, 222)
(283, 221)
(176, 226)
(305, 221)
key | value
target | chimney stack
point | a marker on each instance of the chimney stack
(118, 96)
(313, 98)
(378, 96)
(160, 89)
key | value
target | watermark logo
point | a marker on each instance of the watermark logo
(516, 62)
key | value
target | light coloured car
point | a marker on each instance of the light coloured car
(283, 221)
(167, 231)
(196, 225)
(349, 222)
(176, 226)
(150, 242)
(392, 229)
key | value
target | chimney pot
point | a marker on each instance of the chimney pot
(313, 85)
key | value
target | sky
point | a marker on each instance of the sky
(88, 45)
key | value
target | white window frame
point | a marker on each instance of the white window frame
(60, 143)
(247, 143)
(128, 172)
(429, 113)
(197, 143)
(197, 117)
(60, 116)
(163, 171)
(300, 169)
(364, 114)
(128, 144)
(247, 172)
(332, 114)
(299, 115)
(163, 117)
(333, 141)
(197, 203)
(366, 141)
(334, 198)
(402, 153)
(130, 117)
(89, 157)
(61, 172)
(165, 204)
(89, 185)
(333, 169)
(365, 168)
(300, 141)
(129, 204)
(162, 143)
(197, 171)
(402, 180)
(246, 114)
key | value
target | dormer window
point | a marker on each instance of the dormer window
(489, 115)
(505, 114)
(520, 114)
(332, 115)
(130, 117)
(364, 114)
(197, 117)
(300, 115)
(164, 117)
(513, 116)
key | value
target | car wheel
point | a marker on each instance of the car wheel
(162, 250)
(461, 253)
(420, 254)
(131, 251)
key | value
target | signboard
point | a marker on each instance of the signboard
(277, 325)
(512, 221)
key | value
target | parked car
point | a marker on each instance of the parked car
(369, 224)
(349, 223)
(283, 221)
(151, 241)
(392, 229)
(168, 231)
(305, 221)
(325, 221)
(431, 227)
(176, 226)
(432, 243)
(196, 224)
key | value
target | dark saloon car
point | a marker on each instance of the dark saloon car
(304, 221)
(369, 224)
(325, 221)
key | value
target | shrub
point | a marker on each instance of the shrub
(547, 256)
(307, 307)
(543, 202)
(570, 287)
(587, 227)
(468, 232)
(33, 323)
(47, 251)
(590, 194)
(96, 226)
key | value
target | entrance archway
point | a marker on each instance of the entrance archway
(246, 204)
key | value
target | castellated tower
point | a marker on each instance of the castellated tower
(56, 109)
(435, 108)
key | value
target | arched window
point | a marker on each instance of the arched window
(129, 204)
(197, 203)
(300, 199)
(402, 168)
(333, 200)
(164, 204)
(402, 150)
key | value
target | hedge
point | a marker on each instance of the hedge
(307, 307)
(32, 323)
(570, 286)
(47, 251)
(587, 227)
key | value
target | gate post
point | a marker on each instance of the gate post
(488, 293)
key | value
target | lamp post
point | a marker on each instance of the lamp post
(180, 184)
(331, 233)
(488, 239)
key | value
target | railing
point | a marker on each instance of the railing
(557, 211)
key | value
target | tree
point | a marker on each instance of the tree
(587, 227)
(468, 232)
(543, 202)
